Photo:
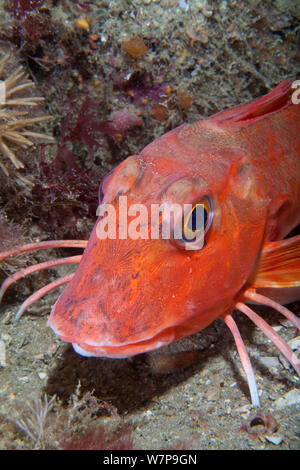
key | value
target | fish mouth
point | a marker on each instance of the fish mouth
(122, 350)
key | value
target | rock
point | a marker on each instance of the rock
(244, 409)
(270, 361)
(285, 362)
(2, 354)
(212, 394)
(276, 440)
(286, 323)
(291, 6)
(42, 375)
(294, 343)
(290, 398)
(7, 318)
(6, 338)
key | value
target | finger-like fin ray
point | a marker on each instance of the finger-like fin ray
(251, 294)
(35, 268)
(245, 360)
(42, 245)
(41, 292)
(271, 334)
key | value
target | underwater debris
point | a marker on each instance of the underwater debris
(207, 10)
(33, 422)
(196, 33)
(14, 123)
(2, 354)
(260, 425)
(83, 23)
(135, 47)
(184, 99)
(160, 112)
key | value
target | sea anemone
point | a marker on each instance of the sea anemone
(13, 121)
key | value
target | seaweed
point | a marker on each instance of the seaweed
(21, 8)
(96, 438)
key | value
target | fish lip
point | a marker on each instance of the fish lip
(112, 350)
(83, 352)
(107, 348)
(158, 340)
(85, 347)
(115, 352)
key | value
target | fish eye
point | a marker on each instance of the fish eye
(196, 219)
(196, 223)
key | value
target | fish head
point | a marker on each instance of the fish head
(136, 290)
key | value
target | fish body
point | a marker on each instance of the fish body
(134, 292)
(130, 296)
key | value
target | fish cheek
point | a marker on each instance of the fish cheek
(243, 186)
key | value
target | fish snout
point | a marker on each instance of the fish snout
(97, 331)
(106, 314)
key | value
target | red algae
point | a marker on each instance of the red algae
(120, 122)
(95, 438)
(21, 8)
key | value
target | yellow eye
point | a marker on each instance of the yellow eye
(196, 220)
(196, 223)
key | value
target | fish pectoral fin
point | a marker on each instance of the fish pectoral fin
(279, 265)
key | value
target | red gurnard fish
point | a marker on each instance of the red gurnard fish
(129, 296)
